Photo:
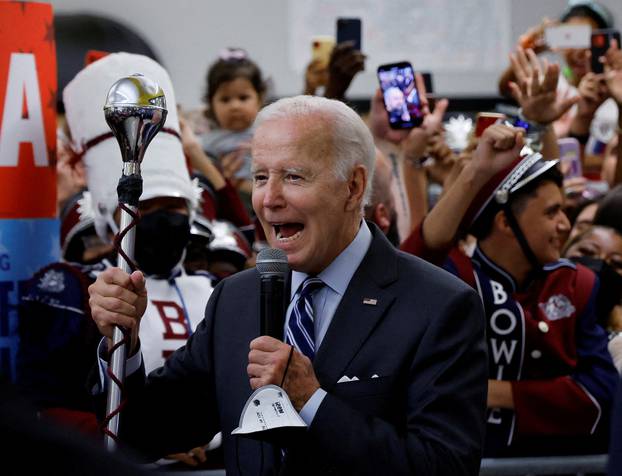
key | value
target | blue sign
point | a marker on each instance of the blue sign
(25, 247)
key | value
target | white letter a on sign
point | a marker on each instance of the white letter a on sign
(22, 89)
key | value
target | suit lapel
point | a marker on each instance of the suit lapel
(357, 314)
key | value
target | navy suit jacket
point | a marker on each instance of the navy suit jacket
(422, 414)
(615, 451)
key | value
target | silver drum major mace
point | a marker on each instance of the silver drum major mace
(135, 110)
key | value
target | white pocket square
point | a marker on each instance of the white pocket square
(345, 378)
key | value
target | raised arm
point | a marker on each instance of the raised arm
(497, 148)
(535, 90)
(409, 146)
(532, 38)
(199, 161)
(345, 63)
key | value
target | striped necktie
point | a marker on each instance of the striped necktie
(300, 331)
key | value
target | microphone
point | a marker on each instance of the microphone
(272, 267)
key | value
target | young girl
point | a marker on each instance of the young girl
(234, 95)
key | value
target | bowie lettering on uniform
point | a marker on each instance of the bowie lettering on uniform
(505, 330)
(503, 323)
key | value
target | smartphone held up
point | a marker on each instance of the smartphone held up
(570, 157)
(600, 43)
(349, 29)
(558, 37)
(401, 97)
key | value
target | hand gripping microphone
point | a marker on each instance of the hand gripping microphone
(272, 267)
(259, 419)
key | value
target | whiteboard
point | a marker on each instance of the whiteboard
(464, 43)
(435, 35)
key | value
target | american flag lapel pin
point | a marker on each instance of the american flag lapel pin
(370, 301)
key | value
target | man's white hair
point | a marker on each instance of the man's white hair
(352, 141)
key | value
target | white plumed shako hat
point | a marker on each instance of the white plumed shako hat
(163, 168)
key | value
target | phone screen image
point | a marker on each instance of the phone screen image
(401, 97)
(601, 41)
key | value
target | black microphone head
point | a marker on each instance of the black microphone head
(272, 262)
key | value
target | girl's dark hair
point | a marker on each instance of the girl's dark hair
(609, 211)
(589, 9)
(574, 213)
(223, 70)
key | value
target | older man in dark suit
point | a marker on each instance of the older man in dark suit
(383, 355)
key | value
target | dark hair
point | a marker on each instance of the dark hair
(517, 201)
(609, 211)
(224, 70)
(574, 213)
(591, 10)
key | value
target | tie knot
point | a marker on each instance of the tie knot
(309, 285)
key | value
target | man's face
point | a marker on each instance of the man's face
(544, 223)
(395, 99)
(305, 210)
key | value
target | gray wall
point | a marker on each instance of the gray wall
(188, 34)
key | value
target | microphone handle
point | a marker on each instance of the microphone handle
(272, 307)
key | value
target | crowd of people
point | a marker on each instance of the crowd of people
(395, 365)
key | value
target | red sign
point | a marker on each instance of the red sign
(27, 111)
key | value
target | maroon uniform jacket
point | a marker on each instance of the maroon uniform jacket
(544, 339)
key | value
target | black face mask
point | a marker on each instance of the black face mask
(610, 290)
(161, 238)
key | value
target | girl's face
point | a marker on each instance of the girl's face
(579, 59)
(600, 243)
(235, 104)
(584, 220)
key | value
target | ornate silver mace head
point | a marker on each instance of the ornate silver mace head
(135, 110)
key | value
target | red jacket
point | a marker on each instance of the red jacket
(543, 339)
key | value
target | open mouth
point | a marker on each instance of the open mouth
(286, 232)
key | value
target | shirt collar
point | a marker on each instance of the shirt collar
(338, 274)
